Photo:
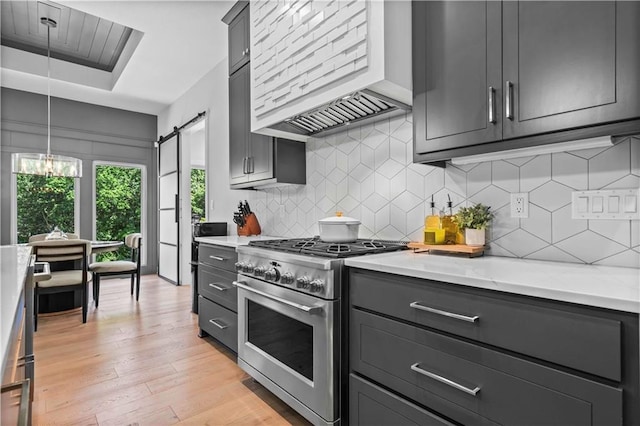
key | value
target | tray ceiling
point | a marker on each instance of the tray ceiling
(79, 38)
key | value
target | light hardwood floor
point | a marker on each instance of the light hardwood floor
(143, 364)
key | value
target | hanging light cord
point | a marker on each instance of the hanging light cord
(48, 90)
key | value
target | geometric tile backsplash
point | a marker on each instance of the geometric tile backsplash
(367, 173)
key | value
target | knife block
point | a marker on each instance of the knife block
(251, 226)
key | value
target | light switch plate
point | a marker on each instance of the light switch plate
(610, 204)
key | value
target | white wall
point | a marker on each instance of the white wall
(210, 94)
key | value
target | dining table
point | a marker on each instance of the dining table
(72, 299)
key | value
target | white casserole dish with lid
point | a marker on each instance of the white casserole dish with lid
(339, 229)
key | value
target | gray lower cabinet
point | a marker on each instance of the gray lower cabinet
(217, 297)
(421, 348)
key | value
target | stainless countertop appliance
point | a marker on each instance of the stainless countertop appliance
(290, 317)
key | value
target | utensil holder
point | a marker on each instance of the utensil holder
(251, 226)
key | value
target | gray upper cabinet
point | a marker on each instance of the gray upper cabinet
(492, 76)
(457, 50)
(239, 39)
(250, 154)
(254, 159)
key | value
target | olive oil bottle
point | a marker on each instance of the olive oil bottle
(452, 234)
(433, 230)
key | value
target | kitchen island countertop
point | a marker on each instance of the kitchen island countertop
(14, 265)
(233, 240)
(593, 285)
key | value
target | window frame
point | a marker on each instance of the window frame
(143, 200)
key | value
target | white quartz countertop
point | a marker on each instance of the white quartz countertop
(14, 265)
(234, 240)
(600, 286)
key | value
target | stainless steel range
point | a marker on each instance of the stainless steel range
(289, 319)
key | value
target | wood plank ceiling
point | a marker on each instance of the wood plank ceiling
(79, 38)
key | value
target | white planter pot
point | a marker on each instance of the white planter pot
(474, 237)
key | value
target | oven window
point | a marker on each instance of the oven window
(286, 339)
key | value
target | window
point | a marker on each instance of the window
(43, 203)
(119, 200)
(198, 194)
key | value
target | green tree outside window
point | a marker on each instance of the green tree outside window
(118, 206)
(44, 203)
(198, 186)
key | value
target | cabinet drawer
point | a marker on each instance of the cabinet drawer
(217, 285)
(442, 372)
(218, 256)
(584, 342)
(218, 322)
(371, 405)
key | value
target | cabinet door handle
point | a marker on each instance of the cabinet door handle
(418, 305)
(492, 105)
(416, 367)
(218, 287)
(244, 52)
(508, 101)
(244, 165)
(250, 165)
(221, 259)
(217, 324)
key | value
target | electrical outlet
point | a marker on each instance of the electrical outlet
(520, 204)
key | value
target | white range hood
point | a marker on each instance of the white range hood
(318, 66)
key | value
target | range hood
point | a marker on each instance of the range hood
(359, 107)
(341, 63)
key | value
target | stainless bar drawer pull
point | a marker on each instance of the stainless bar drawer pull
(308, 309)
(417, 305)
(508, 101)
(415, 367)
(217, 287)
(221, 259)
(492, 111)
(217, 324)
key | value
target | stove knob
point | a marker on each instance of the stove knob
(248, 268)
(259, 271)
(317, 286)
(240, 266)
(287, 278)
(303, 282)
(272, 275)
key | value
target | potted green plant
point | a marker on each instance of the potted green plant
(474, 220)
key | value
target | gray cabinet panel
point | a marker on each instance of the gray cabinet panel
(239, 123)
(239, 40)
(217, 286)
(218, 322)
(508, 390)
(457, 54)
(583, 342)
(218, 256)
(568, 62)
(371, 405)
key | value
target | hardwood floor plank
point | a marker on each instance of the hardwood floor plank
(143, 364)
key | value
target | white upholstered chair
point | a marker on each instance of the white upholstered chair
(119, 267)
(74, 252)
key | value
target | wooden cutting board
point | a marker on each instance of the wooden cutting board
(462, 249)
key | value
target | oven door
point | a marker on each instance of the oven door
(292, 339)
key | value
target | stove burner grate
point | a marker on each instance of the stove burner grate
(315, 247)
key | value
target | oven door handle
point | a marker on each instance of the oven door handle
(308, 309)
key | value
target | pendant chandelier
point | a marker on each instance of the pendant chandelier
(48, 165)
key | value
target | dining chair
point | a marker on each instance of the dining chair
(73, 255)
(119, 267)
